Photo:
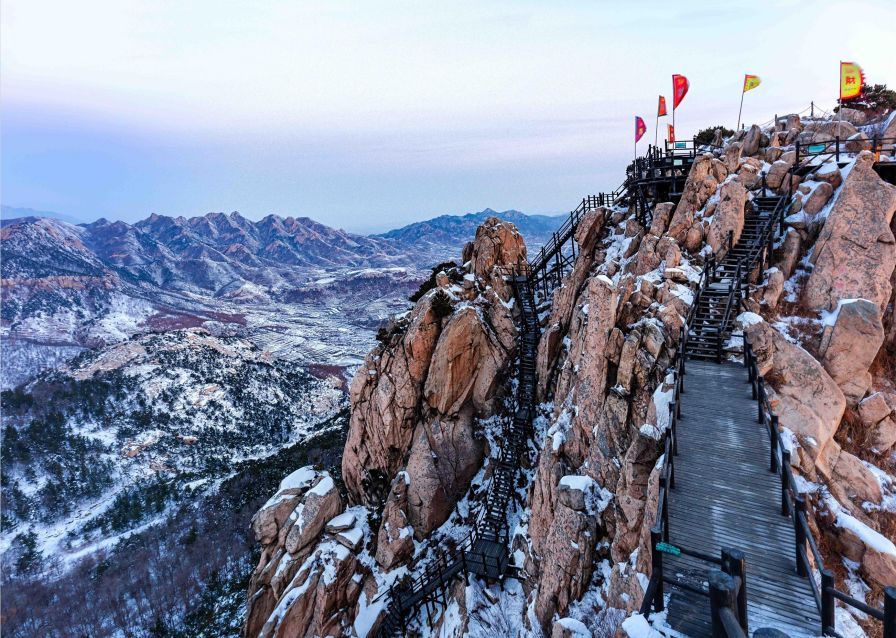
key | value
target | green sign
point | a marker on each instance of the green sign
(666, 548)
(817, 148)
(681, 144)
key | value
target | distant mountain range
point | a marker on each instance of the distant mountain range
(12, 212)
(294, 283)
(440, 232)
(146, 248)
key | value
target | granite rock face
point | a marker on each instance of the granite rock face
(855, 254)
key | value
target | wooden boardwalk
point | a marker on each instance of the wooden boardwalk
(726, 496)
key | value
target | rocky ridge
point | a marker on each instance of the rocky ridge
(609, 334)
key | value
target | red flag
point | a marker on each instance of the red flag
(680, 88)
(671, 134)
(661, 109)
(640, 128)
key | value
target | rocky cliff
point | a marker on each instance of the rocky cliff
(427, 402)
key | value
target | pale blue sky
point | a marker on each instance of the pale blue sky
(369, 115)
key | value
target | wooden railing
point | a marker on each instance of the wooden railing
(793, 504)
(727, 590)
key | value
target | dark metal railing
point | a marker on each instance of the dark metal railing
(838, 146)
(793, 504)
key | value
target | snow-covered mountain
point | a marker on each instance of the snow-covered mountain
(308, 291)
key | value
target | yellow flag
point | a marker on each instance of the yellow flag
(851, 80)
(750, 82)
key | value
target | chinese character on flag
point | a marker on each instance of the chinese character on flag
(671, 134)
(851, 80)
(680, 88)
(661, 109)
(640, 128)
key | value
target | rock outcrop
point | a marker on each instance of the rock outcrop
(307, 581)
(807, 400)
(417, 397)
(855, 253)
(728, 217)
(849, 344)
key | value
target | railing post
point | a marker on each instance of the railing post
(890, 612)
(827, 602)
(734, 564)
(672, 426)
(656, 559)
(837, 151)
(799, 506)
(721, 596)
(664, 513)
(773, 438)
(785, 462)
(760, 418)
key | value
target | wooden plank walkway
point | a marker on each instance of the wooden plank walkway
(726, 496)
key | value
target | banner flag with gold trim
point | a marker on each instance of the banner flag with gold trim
(852, 79)
(671, 133)
(751, 82)
(661, 109)
(680, 86)
(640, 128)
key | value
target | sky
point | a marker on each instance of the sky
(371, 115)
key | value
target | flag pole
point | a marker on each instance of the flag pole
(741, 109)
(840, 96)
(656, 130)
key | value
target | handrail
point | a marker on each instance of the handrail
(824, 147)
(794, 504)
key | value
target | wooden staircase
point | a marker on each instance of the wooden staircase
(717, 301)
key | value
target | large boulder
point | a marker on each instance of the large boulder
(806, 399)
(662, 214)
(386, 394)
(589, 228)
(729, 215)
(568, 551)
(752, 141)
(319, 598)
(272, 516)
(818, 198)
(320, 504)
(702, 181)
(853, 116)
(395, 542)
(498, 244)
(827, 131)
(848, 476)
(849, 344)
(445, 456)
(466, 364)
(855, 254)
(878, 415)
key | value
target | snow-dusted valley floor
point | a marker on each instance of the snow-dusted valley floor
(331, 319)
